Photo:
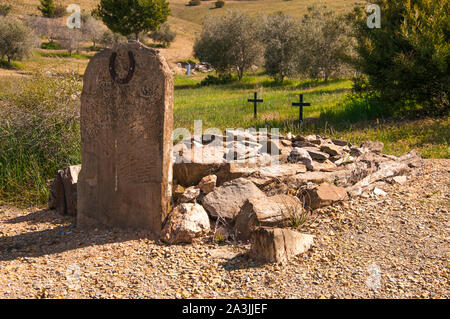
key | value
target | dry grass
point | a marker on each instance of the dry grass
(186, 20)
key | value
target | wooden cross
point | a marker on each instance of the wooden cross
(255, 101)
(300, 104)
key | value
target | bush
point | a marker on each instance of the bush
(407, 58)
(164, 35)
(5, 9)
(214, 80)
(60, 11)
(219, 4)
(194, 3)
(39, 134)
(50, 46)
(16, 39)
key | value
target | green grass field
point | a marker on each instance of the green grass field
(47, 138)
(226, 106)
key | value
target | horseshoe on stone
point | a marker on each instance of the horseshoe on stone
(112, 70)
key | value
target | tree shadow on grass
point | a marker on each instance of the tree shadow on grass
(64, 237)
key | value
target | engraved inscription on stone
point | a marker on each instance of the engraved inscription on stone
(126, 140)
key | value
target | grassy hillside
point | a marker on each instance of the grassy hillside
(187, 20)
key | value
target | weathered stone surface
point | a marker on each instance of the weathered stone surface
(278, 245)
(177, 191)
(208, 184)
(412, 159)
(316, 154)
(226, 201)
(379, 192)
(340, 142)
(274, 211)
(301, 155)
(313, 139)
(280, 171)
(326, 166)
(386, 170)
(331, 149)
(401, 180)
(303, 144)
(126, 128)
(323, 195)
(374, 146)
(189, 195)
(196, 162)
(186, 222)
(63, 191)
(69, 178)
(230, 171)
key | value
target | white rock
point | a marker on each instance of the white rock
(186, 222)
(379, 192)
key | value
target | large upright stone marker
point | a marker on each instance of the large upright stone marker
(126, 136)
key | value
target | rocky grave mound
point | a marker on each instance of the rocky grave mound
(259, 186)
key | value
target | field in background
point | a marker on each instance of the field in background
(222, 106)
(187, 20)
(333, 113)
(24, 169)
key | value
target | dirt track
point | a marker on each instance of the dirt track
(395, 246)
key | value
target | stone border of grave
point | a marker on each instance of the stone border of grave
(262, 203)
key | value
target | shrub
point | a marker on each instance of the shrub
(50, 46)
(219, 4)
(60, 11)
(194, 3)
(16, 39)
(5, 9)
(407, 58)
(39, 134)
(47, 8)
(214, 80)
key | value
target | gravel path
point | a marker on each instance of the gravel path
(394, 246)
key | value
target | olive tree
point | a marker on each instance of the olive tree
(92, 29)
(16, 39)
(325, 43)
(230, 42)
(282, 42)
(163, 35)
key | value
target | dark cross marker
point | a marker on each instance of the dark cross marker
(301, 105)
(255, 101)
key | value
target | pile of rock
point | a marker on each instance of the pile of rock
(255, 186)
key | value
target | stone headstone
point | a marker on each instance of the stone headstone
(126, 136)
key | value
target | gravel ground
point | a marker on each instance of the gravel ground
(394, 246)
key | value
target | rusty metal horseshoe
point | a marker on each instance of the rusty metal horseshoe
(112, 70)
